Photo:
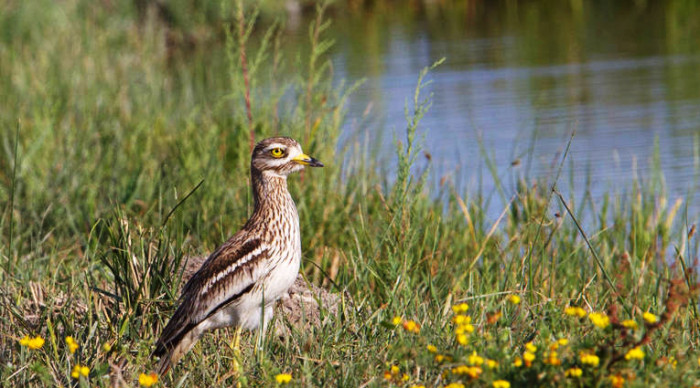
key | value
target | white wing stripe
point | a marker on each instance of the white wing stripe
(230, 269)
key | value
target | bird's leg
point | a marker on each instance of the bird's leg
(236, 346)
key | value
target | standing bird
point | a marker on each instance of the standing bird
(241, 280)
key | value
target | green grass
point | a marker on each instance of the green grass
(124, 155)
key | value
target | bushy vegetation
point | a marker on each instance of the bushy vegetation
(125, 152)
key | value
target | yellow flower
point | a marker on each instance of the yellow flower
(405, 377)
(106, 347)
(518, 362)
(635, 354)
(283, 378)
(528, 358)
(599, 319)
(617, 381)
(387, 375)
(411, 326)
(514, 299)
(474, 372)
(439, 358)
(575, 312)
(563, 341)
(530, 347)
(466, 328)
(492, 364)
(417, 386)
(462, 339)
(147, 380)
(501, 384)
(673, 362)
(78, 371)
(454, 385)
(589, 359)
(397, 320)
(461, 319)
(460, 308)
(72, 345)
(475, 359)
(552, 358)
(394, 370)
(650, 318)
(630, 324)
(32, 343)
(432, 348)
(574, 372)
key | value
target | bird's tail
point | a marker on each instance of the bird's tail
(171, 352)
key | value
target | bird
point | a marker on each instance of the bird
(240, 281)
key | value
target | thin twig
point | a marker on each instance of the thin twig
(593, 251)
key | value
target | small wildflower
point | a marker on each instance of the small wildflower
(575, 312)
(462, 339)
(474, 372)
(148, 380)
(432, 348)
(589, 359)
(501, 384)
(394, 370)
(492, 364)
(32, 343)
(460, 308)
(552, 358)
(467, 328)
(439, 358)
(417, 386)
(454, 385)
(563, 341)
(599, 319)
(650, 318)
(461, 319)
(387, 375)
(635, 354)
(475, 359)
(492, 318)
(574, 372)
(514, 299)
(397, 320)
(528, 358)
(518, 362)
(283, 378)
(617, 381)
(106, 347)
(530, 347)
(72, 345)
(673, 362)
(79, 370)
(630, 324)
(411, 326)
(405, 377)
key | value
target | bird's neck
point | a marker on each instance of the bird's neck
(270, 192)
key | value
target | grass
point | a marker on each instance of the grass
(125, 155)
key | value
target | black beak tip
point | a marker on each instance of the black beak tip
(315, 163)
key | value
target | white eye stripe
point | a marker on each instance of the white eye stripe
(275, 145)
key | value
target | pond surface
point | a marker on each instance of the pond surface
(520, 77)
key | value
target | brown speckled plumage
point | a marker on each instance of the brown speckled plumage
(241, 280)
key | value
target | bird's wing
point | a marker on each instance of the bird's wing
(229, 272)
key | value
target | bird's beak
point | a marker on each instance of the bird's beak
(306, 160)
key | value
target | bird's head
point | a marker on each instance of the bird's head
(281, 156)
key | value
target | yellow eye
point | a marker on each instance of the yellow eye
(277, 152)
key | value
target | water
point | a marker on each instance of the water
(519, 78)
